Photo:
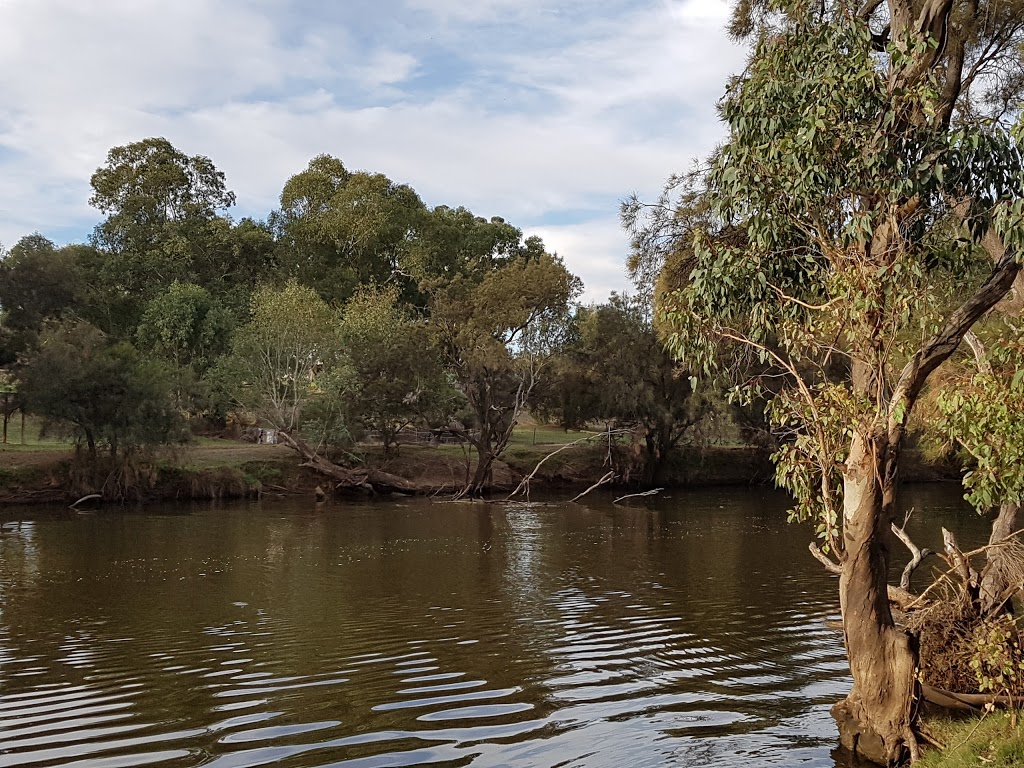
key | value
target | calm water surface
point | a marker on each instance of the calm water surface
(684, 631)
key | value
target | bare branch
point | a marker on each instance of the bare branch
(940, 346)
(524, 485)
(917, 555)
(830, 565)
(652, 492)
(603, 481)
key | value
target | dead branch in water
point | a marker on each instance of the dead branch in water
(652, 492)
(90, 497)
(524, 485)
(604, 480)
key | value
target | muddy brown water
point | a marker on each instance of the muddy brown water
(687, 630)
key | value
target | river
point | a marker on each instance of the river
(687, 630)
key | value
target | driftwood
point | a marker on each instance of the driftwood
(964, 702)
(90, 497)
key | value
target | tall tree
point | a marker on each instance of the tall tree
(498, 331)
(868, 206)
(162, 209)
(339, 230)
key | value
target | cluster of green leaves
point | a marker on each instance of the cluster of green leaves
(287, 358)
(996, 660)
(399, 379)
(982, 416)
(104, 392)
(815, 431)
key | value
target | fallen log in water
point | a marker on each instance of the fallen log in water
(345, 478)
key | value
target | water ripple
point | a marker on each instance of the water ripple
(533, 635)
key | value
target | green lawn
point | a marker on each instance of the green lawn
(994, 741)
(547, 435)
(30, 439)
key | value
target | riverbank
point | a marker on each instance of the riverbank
(214, 469)
(993, 741)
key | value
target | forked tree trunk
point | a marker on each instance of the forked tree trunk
(875, 718)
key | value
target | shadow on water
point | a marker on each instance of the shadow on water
(687, 630)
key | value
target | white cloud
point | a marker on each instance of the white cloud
(594, 251)
(554, 132)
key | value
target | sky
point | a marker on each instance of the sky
(547, 113)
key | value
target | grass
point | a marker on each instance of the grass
(30, 440)
(547, 435)
(993, 741)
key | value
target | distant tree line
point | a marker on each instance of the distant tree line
(353, 307)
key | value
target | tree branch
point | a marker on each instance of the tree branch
(821, 557)
(917, 556)
(940, 346)
(652, 492)
(604, 480)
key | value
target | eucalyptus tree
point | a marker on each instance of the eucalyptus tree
(866, 210)
(166, 221)
(338, 230)
(499, 308)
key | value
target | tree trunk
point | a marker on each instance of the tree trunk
(994, 581)
(481, 475)
(875, 718)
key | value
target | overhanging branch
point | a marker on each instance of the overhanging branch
(939, 347)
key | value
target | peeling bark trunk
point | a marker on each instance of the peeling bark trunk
(994, 583)
(875, 719)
